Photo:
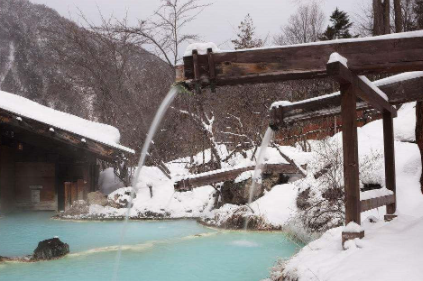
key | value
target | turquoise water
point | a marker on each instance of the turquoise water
(163, 250)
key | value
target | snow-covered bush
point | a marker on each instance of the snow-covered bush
(320, 200)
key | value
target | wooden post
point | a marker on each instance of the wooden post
(350, 150)
(80, 186)
(389, 149)
(351, 164)
(68, 195)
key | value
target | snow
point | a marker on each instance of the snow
(26, 108)
(375, 193)
(9, 63)
(374, 88)
(389, 251)
(403, 35)
(277, 205)
(353, 227)
(201, 48)
(335, 57)
(398, 78)
(375, 84)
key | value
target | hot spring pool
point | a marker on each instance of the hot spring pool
(154, 250)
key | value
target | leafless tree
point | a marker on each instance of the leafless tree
(306, 25)
(163, 32)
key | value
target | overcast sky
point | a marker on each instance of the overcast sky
(218, 23)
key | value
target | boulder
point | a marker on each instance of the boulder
(121, 197)
(97, 198)
(79, 207)
(238, 193)
(50, 249)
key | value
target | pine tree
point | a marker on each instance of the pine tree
(340, 27)
(245, 36)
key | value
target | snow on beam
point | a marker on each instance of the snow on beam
(399, 88)
(222, 175)
(366, 90)
(377, 202)
(392, 53)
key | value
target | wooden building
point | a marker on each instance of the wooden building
(49, 158)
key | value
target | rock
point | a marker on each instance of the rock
(239, 193)
(50, 249)
(97, 198)
(121, 197)
(78, 208)
(237, 220)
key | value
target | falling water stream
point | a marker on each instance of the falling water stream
(268, 136)
(144, 152)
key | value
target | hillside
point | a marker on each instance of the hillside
(53, 61)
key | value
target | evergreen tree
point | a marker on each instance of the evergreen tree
(245, 37)
(340, 27)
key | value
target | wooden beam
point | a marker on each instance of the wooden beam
(350, 150)
(382, 54)
(389, 151)
(229, 175)
(366, 92)
(329, 105)
(377, 202)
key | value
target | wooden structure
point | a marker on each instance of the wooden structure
(382, 54)
(43, 167)
(222, 175)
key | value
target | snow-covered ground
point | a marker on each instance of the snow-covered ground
(389, 250)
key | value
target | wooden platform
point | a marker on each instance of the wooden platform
(222, 175)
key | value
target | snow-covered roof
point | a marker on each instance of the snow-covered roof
(98, 132)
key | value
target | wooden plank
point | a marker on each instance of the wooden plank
(229, 175)
(350, 150)
(384, 54)
(377, 202)
(68, 195)
(329, 105)
(80, 186)
(389, 150)
(74, 192)
(365, 91)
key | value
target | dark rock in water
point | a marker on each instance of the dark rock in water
(50, 249)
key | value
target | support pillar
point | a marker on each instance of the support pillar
(389, 150)
(350, 150)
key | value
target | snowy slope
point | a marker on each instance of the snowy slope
(26, 108)
(389, 251)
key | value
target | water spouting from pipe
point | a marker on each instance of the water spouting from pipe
(144, 152)
(268, 136)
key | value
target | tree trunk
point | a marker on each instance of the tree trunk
(377, 18)
(381, 19)
(386, 17)
(398, 16)
(419, 133)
